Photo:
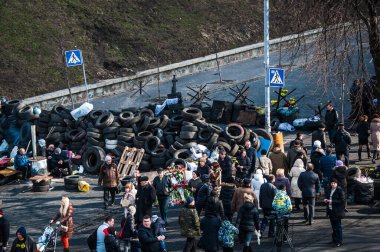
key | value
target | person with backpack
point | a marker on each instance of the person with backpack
(158, 226)
(100, 235)
(110, 241)
(226, 235)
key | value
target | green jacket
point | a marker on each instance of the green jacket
(189, 222)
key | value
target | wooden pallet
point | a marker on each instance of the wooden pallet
(129, 161)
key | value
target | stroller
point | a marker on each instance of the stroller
(47, 242)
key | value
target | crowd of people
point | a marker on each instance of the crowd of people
(228, 198)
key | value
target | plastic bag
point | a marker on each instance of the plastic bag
(83, 110)
(286, 127)
(3, 146)
(13, 152)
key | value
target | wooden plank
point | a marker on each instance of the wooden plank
(129, 161)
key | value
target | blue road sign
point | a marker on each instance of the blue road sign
(276, 77)
(73, 58)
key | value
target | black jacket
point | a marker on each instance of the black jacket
(128, 226)
(4, 231)
(226, 194)
(248, 217)
(210, 226)
(319, 135)
(331, 119)
(226, 166)
(203, 170)
(55, 158)
(252, 154)
(244, 161)
(145, 198)
(267, 193)
(214, 207)
(340, 174)
(149, 242)
(342, 140)
(162, 186)
(338, 203)
(308, 183)
(28, 242)
(362, 130)
(111, 243)
(203, 194)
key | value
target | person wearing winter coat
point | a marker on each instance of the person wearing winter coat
(109, 178)
(278, 158)
(189, 224)
(194, 183)
(265, 163)
(60, 163)
(4, 231)
(110, 241)
(203, 168)
(363, 133)
(225, 164)
(226, 235)
(282, 205)
(252, 154)
(238, 197)
(129, 232)
(342, 141)
(244, 160)
(226, 194)
(316, 153)
(23, 242)
(210, 225)
(294, 174)
(65, 214)
(319, 135)
(145, 197)
(214, 206)
(256, 182)
(100, 234)
(204, 193)
(22, 163)
(282, 180)
(327, 164)
(129, 197)
(340, 174)
(336, 201)
(375, 136)
(216, 177)
(158, 226)
(248, 221)
(267, 193)
(331, 120)
(308, 183)
(163, 184)
(296, 152)
(149, 241)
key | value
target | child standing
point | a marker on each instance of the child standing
(226, 235)
(158, 226)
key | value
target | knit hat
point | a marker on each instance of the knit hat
(189, 199)
(42, 142)
(317, 144)
(339, 163)
(58, 150)
(107, 158)
(21, 231)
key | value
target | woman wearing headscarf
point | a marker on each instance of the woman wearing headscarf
(294, 173)
(257, 181)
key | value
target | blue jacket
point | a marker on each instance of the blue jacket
(20, 161)
(327, 164)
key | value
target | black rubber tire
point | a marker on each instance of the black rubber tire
(169, 139)
(134, 120)
(152, 144)
(54, 118)
(234, 132)
(110, 130)
(71, 187)
(214, 128)
(189, 145)
(126, 116)
(12, 107)
(146, 113)
(234, 150)
(125, 130)
(159, 152)
(94, 115)
(246, 136)
(144, 135)
(177, 161)
(188, 135)
(44, 188)
(184, 154)
(105, 120)
(178, 145)
(170, 131)
(79, 136)
(201, 123)
(138, 144)
(189, 128)
(93, 129)
(191, 113)
(172, 150)
(95, 142)
(124, 138)
(94, 135)
(205, 134)
(43, 182)
(92, 159)
(72, 180)
(225, 145)
(159, 161)
(25, 112)
(164, 122)
(176, 120)
(26, 132)
(110, 136)
(154, 122)
(187, 123)
(144, 123)
(274, 123)
(144, 166)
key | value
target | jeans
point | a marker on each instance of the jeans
(308, 208)
(336, 224)
(190, 245)
(106, 195)
(247, 237)
(264, 222)
(346, 155)
(163, 202)
(331, 133)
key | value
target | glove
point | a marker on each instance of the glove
(257, 233)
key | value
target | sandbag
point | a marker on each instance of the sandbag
(83, 186)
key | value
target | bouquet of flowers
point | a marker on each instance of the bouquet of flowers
(179, 193)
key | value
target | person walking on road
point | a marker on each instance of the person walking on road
(4, 231)
(204, 193)
(331, 121)
(238, 197)
(335, 201)
(342, 141)
(226, 194)
(23, 242)
(279, 161)
(308, 183)
(375, 137)
(319, 135)
(145, 197)
(163, 185)
(296, 152)
(363, 133)
(149, 242)
(100, 234)
(294, 174)
(65, 214)
(327, 164)
(225, 164)
(189, 224)
(252, 154)
(109, 177)
(267, 193)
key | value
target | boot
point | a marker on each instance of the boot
(369, 153)
(374, 157)
(360, 155)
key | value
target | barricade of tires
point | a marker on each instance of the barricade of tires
(166, 139)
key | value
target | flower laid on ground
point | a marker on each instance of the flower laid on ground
(179, 193)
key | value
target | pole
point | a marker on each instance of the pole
(67, 77)
(217, 63)
(84, 76)
(342, 98)
(266, 65)
(34, 140)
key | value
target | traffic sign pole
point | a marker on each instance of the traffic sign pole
(85, 79)
(266, 65)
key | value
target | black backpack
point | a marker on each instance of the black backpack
(91, 240)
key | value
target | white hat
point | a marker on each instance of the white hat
(317, 144)
(107, 158)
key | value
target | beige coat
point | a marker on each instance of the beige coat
(294, 173)
(238, 198)
(375, 133)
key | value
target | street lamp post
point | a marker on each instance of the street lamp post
(266, 65)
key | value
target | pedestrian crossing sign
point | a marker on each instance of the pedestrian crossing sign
(276, 77)
(73, 58)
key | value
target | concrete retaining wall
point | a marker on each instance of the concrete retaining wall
(127, 84)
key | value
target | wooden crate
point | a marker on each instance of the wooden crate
(129, 161)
